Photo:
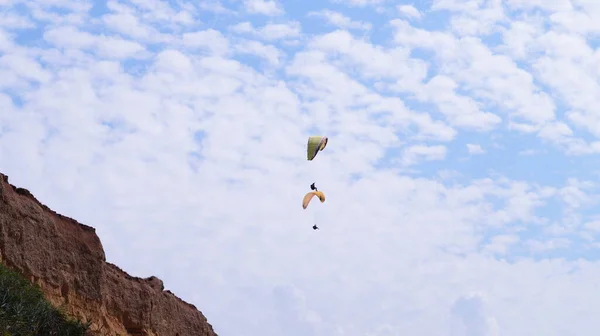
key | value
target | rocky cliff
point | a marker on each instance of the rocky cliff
(67, 260)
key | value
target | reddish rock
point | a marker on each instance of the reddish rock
(67, 260)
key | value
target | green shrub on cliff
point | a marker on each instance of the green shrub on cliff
(25, 312)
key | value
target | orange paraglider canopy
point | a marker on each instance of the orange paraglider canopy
(309, 196)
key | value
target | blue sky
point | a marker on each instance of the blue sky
(461, 172)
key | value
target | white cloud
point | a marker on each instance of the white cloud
(214, 6)
(129, 25)
(414, 153)
(593, 226)
(113, 47)
(473, 18)
(528, 152)
(341, 21)
(409, 11)
(519, 39)
(500, 244)
(15, 21)
(470, 317)
(157, 11)
(266, 7)
(475, 149)
(268, 52)
(358, 3)
(459, 110)
(209, 39)
(271, 31)
(375, 62)
(543, 246)
(574, 195)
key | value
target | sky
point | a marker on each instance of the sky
(461, 172)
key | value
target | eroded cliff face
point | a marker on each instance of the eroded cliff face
(67, 260)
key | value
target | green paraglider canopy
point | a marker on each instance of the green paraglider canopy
(315, 145)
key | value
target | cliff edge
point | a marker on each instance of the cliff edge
(66, 259)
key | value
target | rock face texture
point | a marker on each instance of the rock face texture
(67, 260)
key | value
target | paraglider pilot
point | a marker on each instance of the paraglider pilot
(312, 187)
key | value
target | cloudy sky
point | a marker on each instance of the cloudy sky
(461, 172)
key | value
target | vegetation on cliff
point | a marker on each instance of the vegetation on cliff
(25, 312)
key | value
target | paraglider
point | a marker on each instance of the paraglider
(309, 196)
(315, 145)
